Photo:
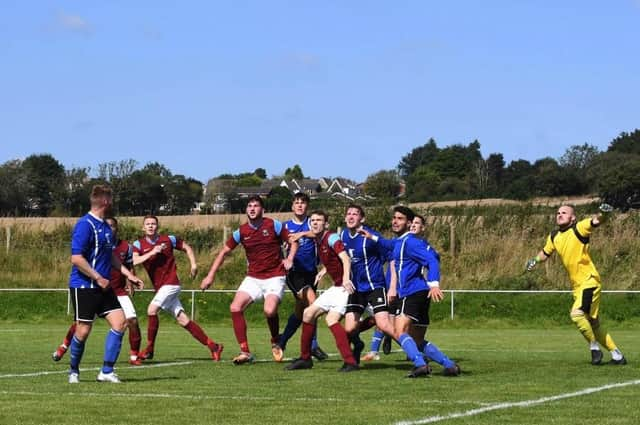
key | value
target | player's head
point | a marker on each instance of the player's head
(113, 223)
(354, 216)
(318, 221)
(417, 225)
(402, 218)
(565, 216)
(101, 198)
(255, 207)
(299, 204)
(150, 225)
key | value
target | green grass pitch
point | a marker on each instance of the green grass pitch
(510, 376)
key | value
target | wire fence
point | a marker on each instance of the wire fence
(452, 292)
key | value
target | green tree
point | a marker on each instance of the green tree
(626, 143)
(278, 200)
(13, 199)
(579, 157)
(45, 178)
(294, 172)
(182, 194)
(383, 184)
(423, 184)
(78, 186)
(261, 172)
(617, 177)
(418, 157)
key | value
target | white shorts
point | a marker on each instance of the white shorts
(127, 306)
(168, 299)
(258, 289)
(333, 299)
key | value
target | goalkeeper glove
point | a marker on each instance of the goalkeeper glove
(532, 263)
(605, 208)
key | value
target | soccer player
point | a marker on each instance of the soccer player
(571, 242)
(155, 252)
(410, 255)
(262, 238)
(124, 290)
(301, 278)
(367, 260)
(92, 258)
(332, 302)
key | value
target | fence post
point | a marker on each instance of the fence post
(8, 239)
(193, 303)
(452, 292)
(452, 239)
(225, 233)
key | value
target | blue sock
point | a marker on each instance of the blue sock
(314, 341)
(433, 352)
(77, 349)
(292, 326)
(409, 346)
(112, 346)
(376, 340)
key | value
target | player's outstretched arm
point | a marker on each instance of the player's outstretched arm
(217, 263)
(192, 259)
(603, 215)
(541, 257)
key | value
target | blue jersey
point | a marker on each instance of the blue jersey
(367, 260)
(411, 254)
(92, 238)
(306, 256)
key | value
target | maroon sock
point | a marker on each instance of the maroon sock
(67, 339)
(342, 342)
(152, 331)
(274, 327)
(196, 331)
(308, 330)
(134, 338)
(367, 324)
(240, 330)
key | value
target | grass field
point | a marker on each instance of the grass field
(510, 376)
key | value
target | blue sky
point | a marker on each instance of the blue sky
(343, 88)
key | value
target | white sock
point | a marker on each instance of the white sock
(593, 345)
(616, 354)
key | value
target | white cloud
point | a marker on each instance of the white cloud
(74, 23)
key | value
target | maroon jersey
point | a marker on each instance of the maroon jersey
(328, 249)
(263, 246)
(161, 268)
(124, 252)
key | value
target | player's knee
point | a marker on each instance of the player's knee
(595, 322)
(577, 315)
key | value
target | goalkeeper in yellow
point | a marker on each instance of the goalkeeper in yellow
(571, 242)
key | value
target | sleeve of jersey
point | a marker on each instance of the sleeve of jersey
(426, 256)
(585, 227)
(548, 247)
(128, 261)
(234, 240)
(81, 238)
(281, 231)
(135, 246)
(176, 243)
(336, 243)
(386, 244)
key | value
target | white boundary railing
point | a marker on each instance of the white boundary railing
(452, 292)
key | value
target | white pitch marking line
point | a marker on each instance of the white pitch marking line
(201, 397)
(525, 403)
(59, 372)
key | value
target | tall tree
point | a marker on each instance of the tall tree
(294, 172)
(13, 199)
(626, 143)
(383, 184)
(418, 157)
(579, 157)
(45, 178)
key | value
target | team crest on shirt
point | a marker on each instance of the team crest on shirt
(265, 232)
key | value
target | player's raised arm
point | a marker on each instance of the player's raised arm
(192, 259)
(540, 258)
(210, 277)
(139, 259)
(346, 272)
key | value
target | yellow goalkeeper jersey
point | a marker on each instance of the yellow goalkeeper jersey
(572, 245)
